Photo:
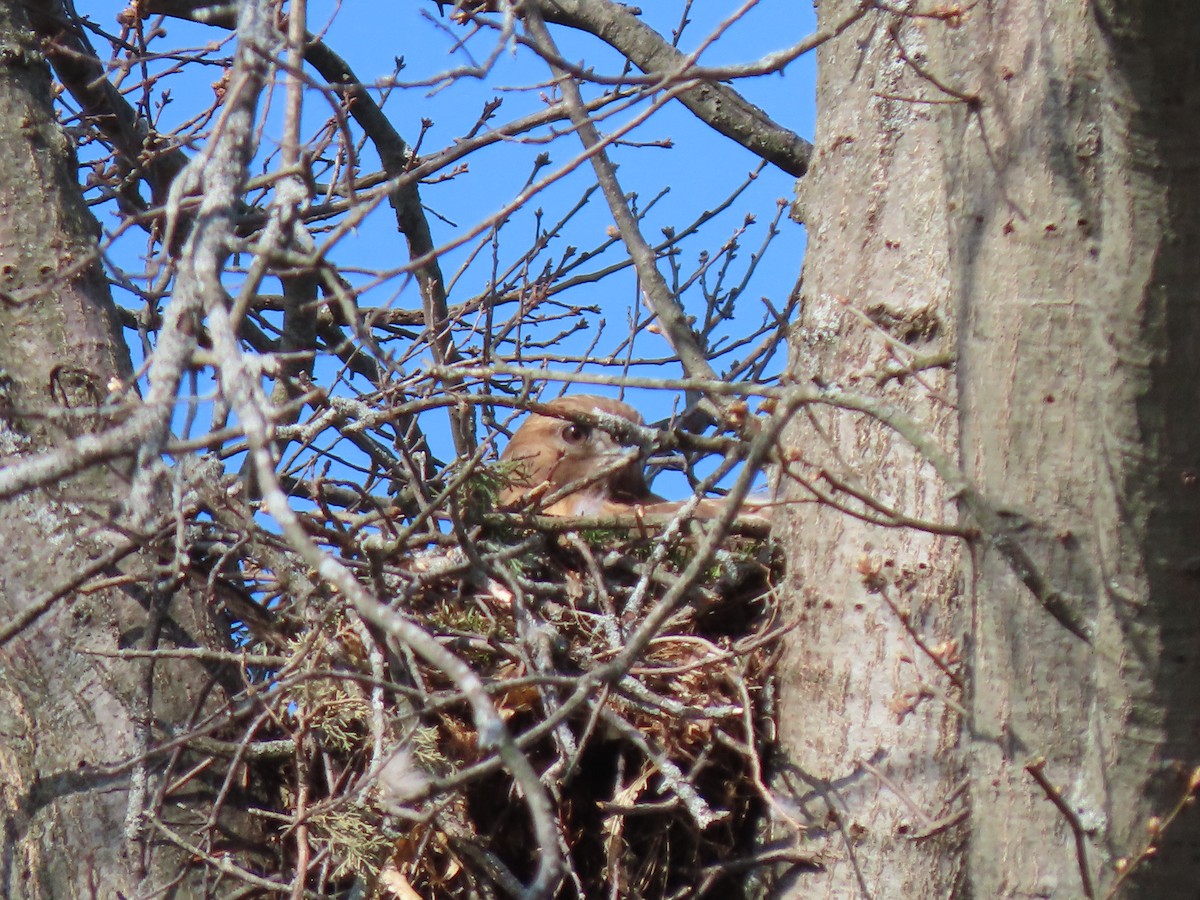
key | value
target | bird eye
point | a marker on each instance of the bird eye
(574, 433)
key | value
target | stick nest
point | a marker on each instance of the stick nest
(364, 770)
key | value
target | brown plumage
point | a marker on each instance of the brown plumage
(550, 453)
(554, 453)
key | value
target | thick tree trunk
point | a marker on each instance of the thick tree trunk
(1031, 174)
(1075, 227)
(73, 797)
(868, 719)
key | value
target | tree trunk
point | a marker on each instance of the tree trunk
(867, 720)
(1075, 222)
(75, 797)
(1024, 178)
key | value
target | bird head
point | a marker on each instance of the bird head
(587, 467)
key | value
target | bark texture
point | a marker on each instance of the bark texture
(73, 797)
(1074, 195)
(865, 722)
(1031, 174)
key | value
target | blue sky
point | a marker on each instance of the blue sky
(697, 172)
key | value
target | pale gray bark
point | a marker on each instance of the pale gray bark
(871, 758)
(1027, 177)
(74, 799)
(1075, 225)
